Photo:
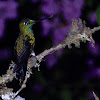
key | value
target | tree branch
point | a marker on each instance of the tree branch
(78, 32)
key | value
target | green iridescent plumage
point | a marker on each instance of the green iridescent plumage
(24, 45)
(25, 34)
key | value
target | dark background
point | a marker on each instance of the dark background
(74, 73)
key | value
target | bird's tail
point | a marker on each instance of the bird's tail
(19, 72)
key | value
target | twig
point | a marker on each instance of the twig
(95, 96)
(24, 83)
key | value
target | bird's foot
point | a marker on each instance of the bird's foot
(38, 66)
(29, 70)
(40, 58)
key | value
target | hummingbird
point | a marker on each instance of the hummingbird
(24, 45)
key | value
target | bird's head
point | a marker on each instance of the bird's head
(26, 24)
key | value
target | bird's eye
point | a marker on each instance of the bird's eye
(26, 23)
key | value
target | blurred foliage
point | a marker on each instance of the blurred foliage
(90, 2)
(66, 95)
(98, 14)
(67, 80)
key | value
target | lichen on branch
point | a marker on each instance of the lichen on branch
(78, 33)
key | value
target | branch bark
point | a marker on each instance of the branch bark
(78, 32)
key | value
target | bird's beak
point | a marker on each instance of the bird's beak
(32, 22)
(43, 19)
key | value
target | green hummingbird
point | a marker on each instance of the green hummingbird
(24, 45)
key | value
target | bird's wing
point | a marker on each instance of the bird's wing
(21, 59)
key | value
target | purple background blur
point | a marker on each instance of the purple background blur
(67, 74)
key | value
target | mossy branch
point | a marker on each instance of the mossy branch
(78, 32)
